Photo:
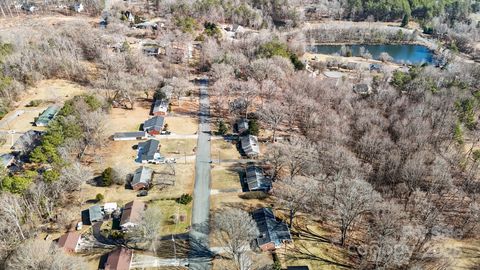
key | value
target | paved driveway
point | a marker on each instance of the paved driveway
(200, 255)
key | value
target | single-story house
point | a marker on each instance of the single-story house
(119, 259)
(142, 178)
(69, 242)
(256, 179)
(7, 160)
(95, 213)
(132, 214)
(47, 116)
(273, 234)
(130, 136)
(160, 107)
(250, 145)
(109, 208)
(148, 152)
(242, 125)
(27, 142)
(297, 268)
(154, 125)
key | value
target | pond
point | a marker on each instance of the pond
(401, 53)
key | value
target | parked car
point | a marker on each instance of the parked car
(142, 193)
(165, 132)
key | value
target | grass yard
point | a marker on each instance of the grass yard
(172, 147)
(182, 125)
(225, 177)
(170, 209)
(227, 150)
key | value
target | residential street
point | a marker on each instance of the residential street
(200, 255)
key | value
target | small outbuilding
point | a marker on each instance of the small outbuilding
(362, 89)
(110, 207)
(242, 126)
(142, 178)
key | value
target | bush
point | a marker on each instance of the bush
(253, 127)
(107, 177)
(34, 103)
(184, 199)
(222, 128)
(99, 197)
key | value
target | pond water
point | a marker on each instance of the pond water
(401, 53)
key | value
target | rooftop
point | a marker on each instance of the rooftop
(155, 123)
(136, 134)
(250, 145)
(270, 229)
(160, 106)
(47, 116)
(119, 259)
(142, 175)
(95, 213)
(256, 179)
(132, 212)
(147, 150)
(69, 241)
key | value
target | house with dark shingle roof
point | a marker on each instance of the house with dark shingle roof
(27, 142)
(132, 214)
(250, 146)
(154, 125)
(242, 125)
(119, 259)
(142, 178)
(148, 152)
(69, 242)
(273, 233)
(255, 179)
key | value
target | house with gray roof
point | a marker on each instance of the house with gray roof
(160, 107)
(142, 178)
(27, 142)
(250, 146)
(242, 125)
(148, 152)
(256, 180)
(130, 136)
(273, 234)
(7, 160)
(47, 116)
(154, 125)
(95, 213)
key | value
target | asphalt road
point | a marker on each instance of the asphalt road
(200, 255)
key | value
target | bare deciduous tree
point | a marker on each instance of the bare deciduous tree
(235, 230)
